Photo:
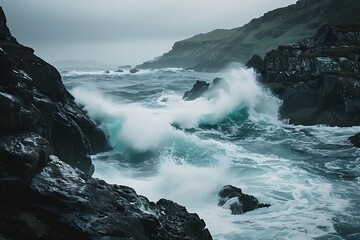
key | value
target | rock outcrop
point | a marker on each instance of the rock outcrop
(205, 89)
(284, 26)
(43, 197)
(232, 198)
(33, 99)
(318, 79)
(64, 203)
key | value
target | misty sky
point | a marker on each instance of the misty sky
(122, 31)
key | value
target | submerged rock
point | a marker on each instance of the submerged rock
(232, 198)
(317, 78)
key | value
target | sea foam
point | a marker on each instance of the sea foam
(142, 128)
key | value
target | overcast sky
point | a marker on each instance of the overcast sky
(122, 31)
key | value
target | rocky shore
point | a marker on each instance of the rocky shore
(46, 187)
(318, 78)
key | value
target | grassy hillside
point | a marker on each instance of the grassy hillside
(215, 50)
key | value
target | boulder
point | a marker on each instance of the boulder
(232, 198)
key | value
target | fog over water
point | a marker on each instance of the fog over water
(122, 32)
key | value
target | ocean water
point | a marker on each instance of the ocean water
(165, 147)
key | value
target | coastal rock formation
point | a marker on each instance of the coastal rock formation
(232, 198)
(205, 89)
(64, 203)
(44, 196)
(33, 99)
(317, 78)
(215, 50)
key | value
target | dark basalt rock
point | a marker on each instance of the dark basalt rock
(232, 197)
(64, 203)
(34, 100)
(199, 88)
(317, 78)
(204, 89)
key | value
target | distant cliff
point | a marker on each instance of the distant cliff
(284, 26)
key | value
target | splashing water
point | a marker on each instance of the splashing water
(310, 175)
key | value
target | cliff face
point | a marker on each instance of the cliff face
(215, 50)
(318, 79)
(33, 99)
(44, 196)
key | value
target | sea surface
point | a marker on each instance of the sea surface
(186, 151)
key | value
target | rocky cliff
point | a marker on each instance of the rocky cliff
(215, 50)
(45, 145)
(318, 79)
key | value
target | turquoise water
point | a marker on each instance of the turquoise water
(310, 175)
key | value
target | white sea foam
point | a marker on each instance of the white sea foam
(144, 128)
(191, 169)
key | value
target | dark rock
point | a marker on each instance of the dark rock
(317, 78)
(134, 70)
(232, 197)
(21, 157)
(355, 140)
(34, 100)
(107, 71)
(199, 88)
(65, 203)
(256, 62)
(119, 70)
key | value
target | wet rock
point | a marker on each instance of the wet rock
(199, 88)
(21, 157)
(232, 198)
(64, 203)
(119, 70)
(33, 99)
(317, 78)
(257, 63)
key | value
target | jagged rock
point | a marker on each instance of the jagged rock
(21, 157)
(119, 70)
(65, 203)
(256, 62)
(199, 88)
(232, 198)
(34, 100)
(318, 78)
